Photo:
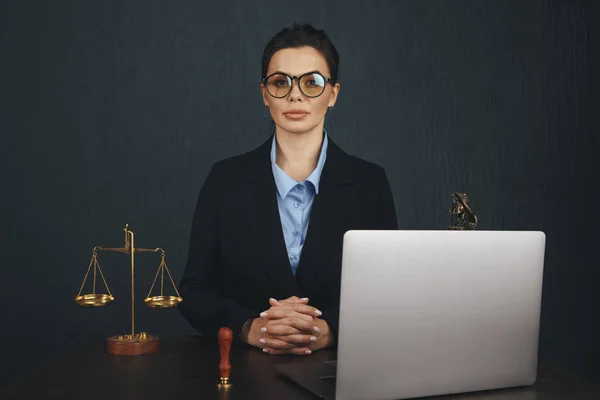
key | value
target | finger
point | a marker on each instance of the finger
(290, 300)
(298, 351)
(305, 309)
(296, 323)
(274, 302)
(283, 312)
(276, 344)
(280, 330)
(296, 340)
(300, 308)
(293, 299)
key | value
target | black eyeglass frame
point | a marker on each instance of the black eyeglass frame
(325, 79)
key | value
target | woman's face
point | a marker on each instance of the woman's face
(296, 112)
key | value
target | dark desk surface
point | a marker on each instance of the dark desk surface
(187, 368)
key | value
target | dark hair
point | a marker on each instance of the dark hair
(299, 35)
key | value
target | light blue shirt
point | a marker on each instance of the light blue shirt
(295, 200)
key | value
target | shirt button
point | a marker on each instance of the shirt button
(296, 205)
(293, 258)
(295, 233)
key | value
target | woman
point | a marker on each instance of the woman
(266, 241)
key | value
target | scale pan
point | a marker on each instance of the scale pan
(94, 300)
(162, 301)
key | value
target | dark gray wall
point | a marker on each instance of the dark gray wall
(113, 112)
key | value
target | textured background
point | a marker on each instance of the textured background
(113, 112)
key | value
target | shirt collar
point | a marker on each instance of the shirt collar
(284, 182)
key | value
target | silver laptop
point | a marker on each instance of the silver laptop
(426, 313)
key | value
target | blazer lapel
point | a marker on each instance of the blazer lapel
(259, 201)
(337, 190)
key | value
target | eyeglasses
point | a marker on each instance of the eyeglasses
(311, 84)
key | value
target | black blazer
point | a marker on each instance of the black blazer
(237, 255)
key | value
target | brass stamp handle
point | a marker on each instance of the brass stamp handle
(225, 338)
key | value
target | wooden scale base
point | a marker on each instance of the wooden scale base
(132, 345)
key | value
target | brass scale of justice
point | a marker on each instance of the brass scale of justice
(133, 343)
(143, 343)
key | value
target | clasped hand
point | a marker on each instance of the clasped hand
(290, 326)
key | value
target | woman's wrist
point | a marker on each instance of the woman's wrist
(246, 330)
(327, 337)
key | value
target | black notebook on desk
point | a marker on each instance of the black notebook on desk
(317, 378)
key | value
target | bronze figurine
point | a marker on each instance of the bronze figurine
(463, 218)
